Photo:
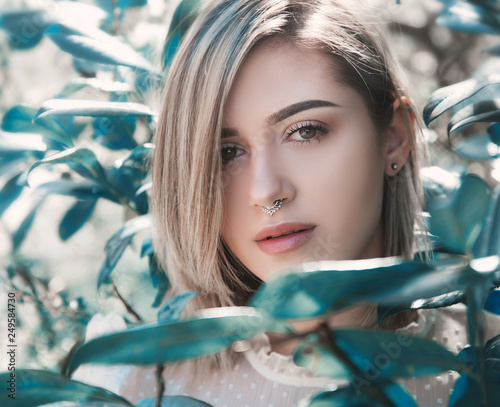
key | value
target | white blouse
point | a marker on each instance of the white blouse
(269, 379)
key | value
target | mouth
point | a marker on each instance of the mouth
(284, 234)
(285, 242)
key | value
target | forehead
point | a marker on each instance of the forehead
(276, 75)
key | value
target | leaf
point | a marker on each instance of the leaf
(477, 147)
(172, 401)
(19, 119)
(117, 244)
(115, 133)
(131, 3)
(76, 217)
(36, 387)
(159, 279)
(172, 309)
(82, 190)
(465, 16)
(24, 27)
(20, 234)
(210, 332)
(483, 111)
(77, 84)
(147, 246)
(492, 303)
(93, 108)
(488, 243)
(316, 288)
(378, 354)
(81, 160)
(10, 192)
(183, 17)
(467, 392)
(358, 394)
(458, 207)
(95, 45)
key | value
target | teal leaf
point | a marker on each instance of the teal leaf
(360, 394)
(92, 108)
(211, 331)
(477, 147)
(483, 111)
(182, 19)
(378, 354)
(22, 231)
(10, 192)
(172, 401)
(172, 309)
(77, 84)
(131, 3)
(159, 279)
(316, 288)
(37, 387)
(147, 246)
(82, 190)
(488, 243)
(117, 244)
(115, 133)
(492, 303)
(24, 27)
(465, 16)
(81, 160)
(494, 133)
(19, 119)
(95, 45)
(76, 217)
(467, 392)
(458, 207)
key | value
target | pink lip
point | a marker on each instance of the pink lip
(283, 244)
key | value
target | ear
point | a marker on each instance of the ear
(398, 138)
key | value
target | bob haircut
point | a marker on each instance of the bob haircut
(187, 176)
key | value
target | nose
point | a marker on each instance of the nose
(270, 180)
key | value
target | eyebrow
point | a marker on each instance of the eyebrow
(285, 113)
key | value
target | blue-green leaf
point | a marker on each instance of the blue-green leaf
(360, 394)
(172, 309)
(36, 387)
(20, 234)
(10, 192)
(182, 19)
(477, 147)
(24, 27)
(92, 108)
(19, 119)
(172, 401)
(488, 243)
(81, 160)
(210, 332)
(492, 303)
(159, 279)
(316, 288)
(465, 16)
(115, 133)
(117, 244)
(81, 190)
(467, 392)
(458, 207)
(379, 354)
(76, 217)
(131, 3)
(95, 45)
(77, 84)
(147, 246)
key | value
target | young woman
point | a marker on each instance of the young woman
(285, 136)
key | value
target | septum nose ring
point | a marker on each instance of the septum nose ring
(270, 210)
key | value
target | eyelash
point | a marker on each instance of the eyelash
(293, 129)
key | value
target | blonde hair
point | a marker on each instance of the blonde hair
(187, 175)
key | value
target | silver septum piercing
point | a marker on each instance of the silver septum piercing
(394, 166)
(270, 210)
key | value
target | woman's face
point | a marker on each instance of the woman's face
(291, 130)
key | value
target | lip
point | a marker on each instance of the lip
(296, 235)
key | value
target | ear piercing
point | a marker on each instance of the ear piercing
(270, 210)
(394, 166)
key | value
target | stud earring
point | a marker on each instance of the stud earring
(394, 166)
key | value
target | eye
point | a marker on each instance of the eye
(305, 132)
(229, 153)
